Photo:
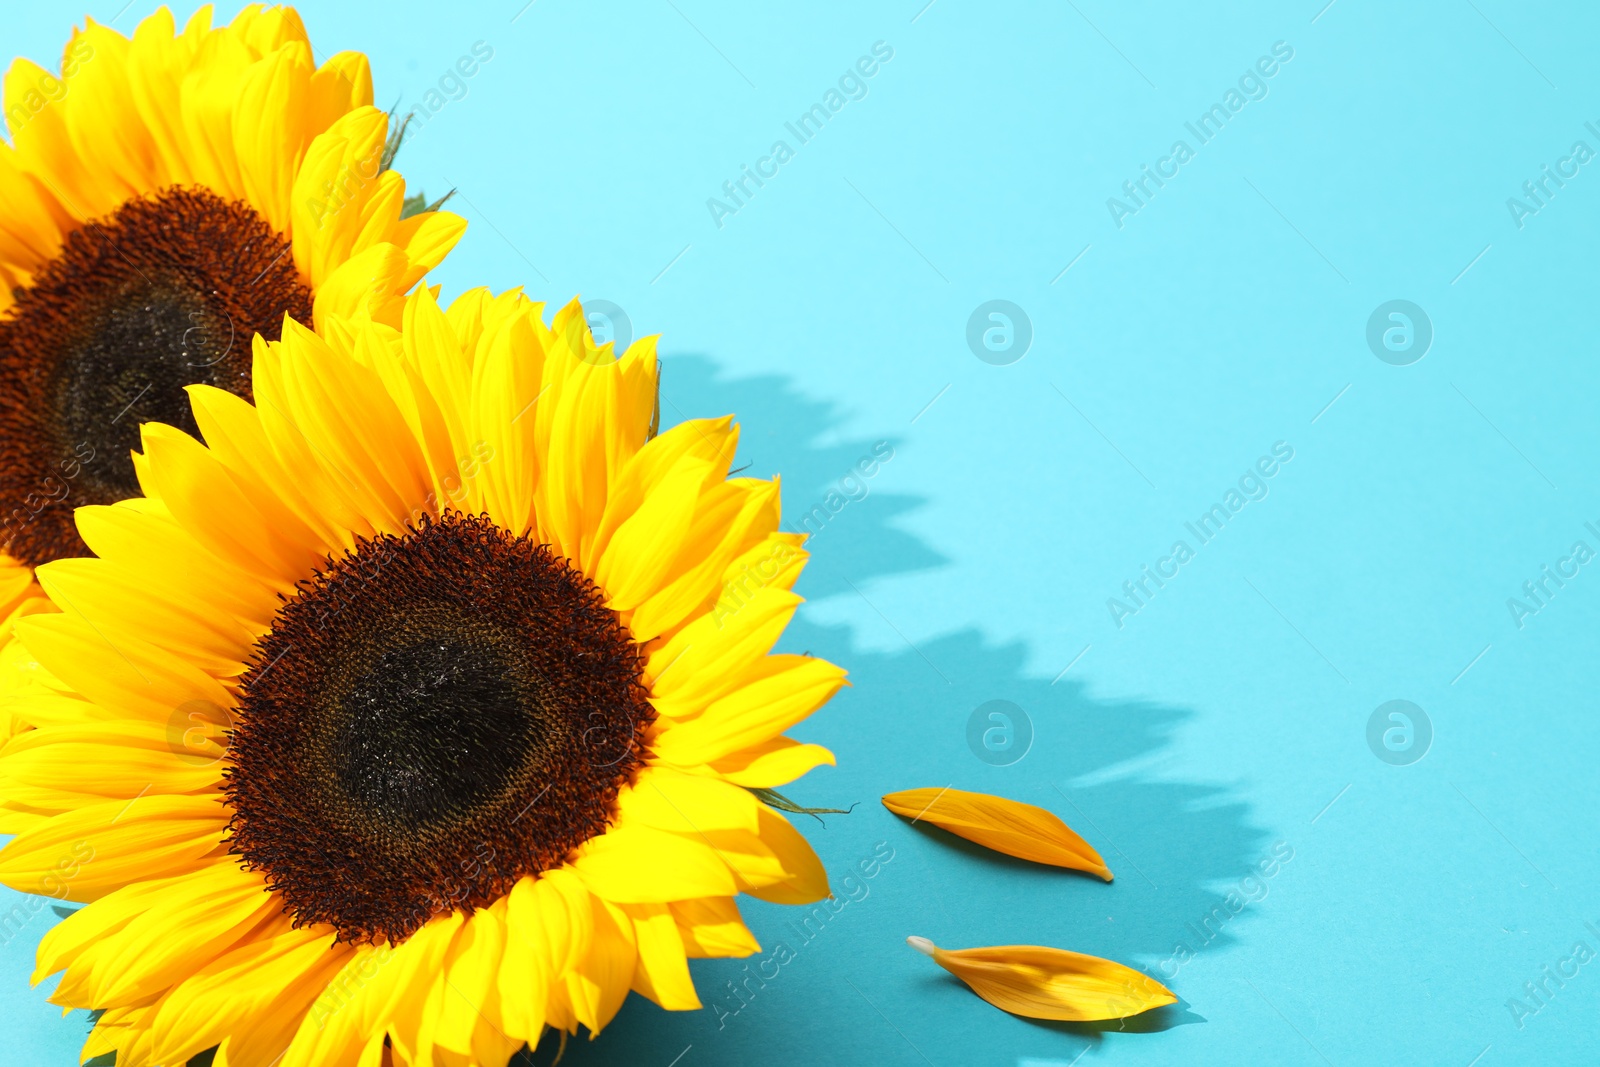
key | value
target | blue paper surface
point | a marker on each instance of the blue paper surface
(1343, 279)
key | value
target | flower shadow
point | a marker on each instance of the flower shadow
(835, 982)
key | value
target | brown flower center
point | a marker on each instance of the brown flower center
(430, 719)
(167, 291)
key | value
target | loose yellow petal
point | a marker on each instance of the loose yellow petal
(1008, 826)
(1050, 983)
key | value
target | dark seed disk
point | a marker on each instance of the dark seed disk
(431, 718)
(168, 291)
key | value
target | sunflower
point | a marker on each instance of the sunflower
(411, 727)
(162, 200)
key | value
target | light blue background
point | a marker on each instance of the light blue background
(1230, 713)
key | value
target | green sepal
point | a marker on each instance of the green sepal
(417, 203)
(774, 799)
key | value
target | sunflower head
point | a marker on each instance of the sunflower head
(416, 724)
(165, 198)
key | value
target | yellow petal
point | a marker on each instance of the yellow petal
(342, 84)
(711, 442)
(523, 984)
(711, 927)
(1050, 983)
(31, 231)
(369, 283)
(131, 678)
(426, 237)
(231, 991)
(469, 972)
(703, 660)
(190, 922)
(553, 917)
(209, 90)
(363, 1000)
(729, 520)
(1008, 826)
(638, 864)
(640, 554)
(102, 121)
(89, 853)
(142, 538)
(109, 598)
(158, 60)
(120, 759)
(206, 500)
(774, 694)
(661, 972)
(269, 133)
(686, 804)
(504, 382)
(368, 443)
(599, 984)
(772, 763)
(776, 864)
(333, 183)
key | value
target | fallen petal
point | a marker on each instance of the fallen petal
(1050, 983)
(1008, 826)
